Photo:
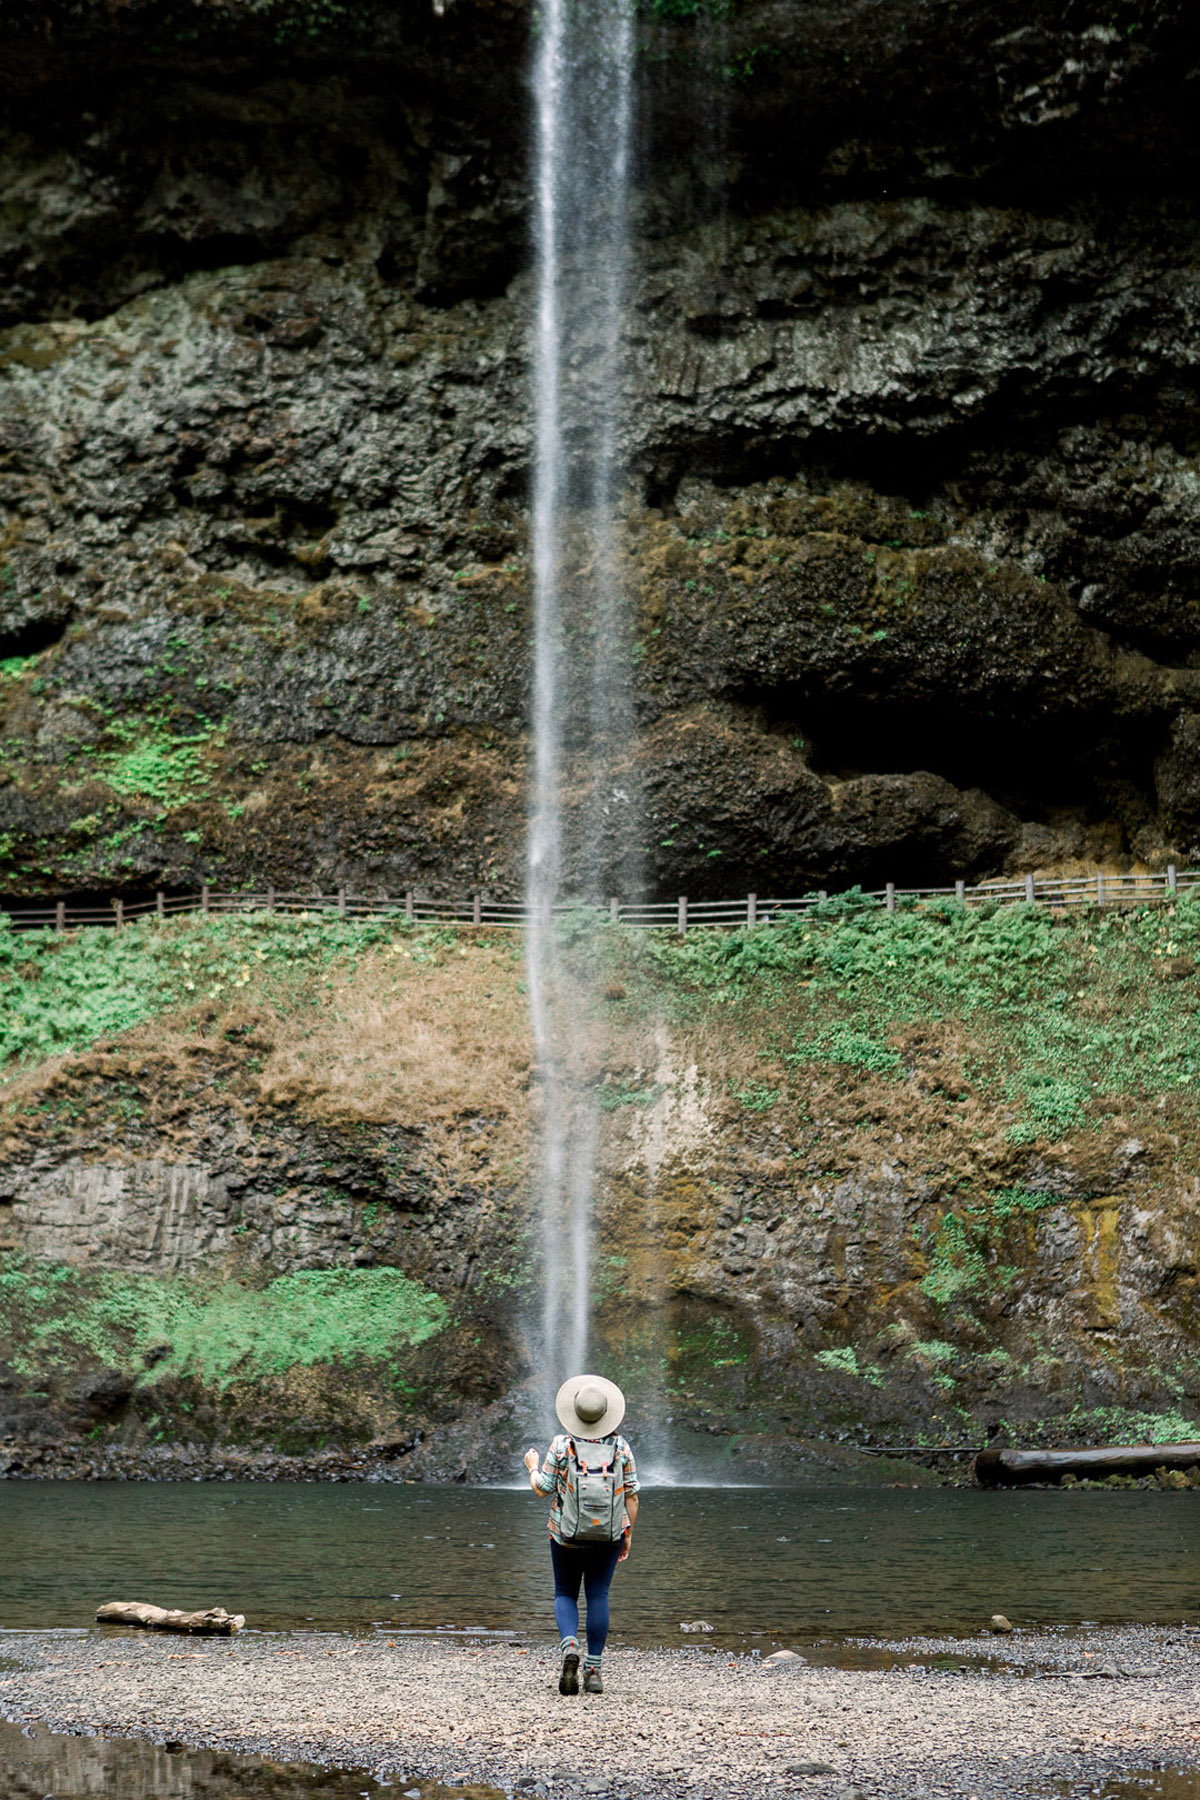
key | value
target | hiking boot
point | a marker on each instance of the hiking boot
(592, 1683)
(568, 1674)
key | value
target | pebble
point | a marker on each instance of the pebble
(673, 1724)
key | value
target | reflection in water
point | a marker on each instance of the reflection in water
(41, 1765)
(783, 1563)
(1143, 1784)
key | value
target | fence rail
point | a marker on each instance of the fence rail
(681, 915)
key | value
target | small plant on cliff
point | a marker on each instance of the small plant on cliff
(965, 1251)
(756, 1096)
(845, 1362)
(843, 1043)
(13, 667)
(294, 20)
(957, 1267)
(677, 11)
(159, 766)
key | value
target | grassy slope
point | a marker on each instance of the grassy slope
(356, 1029)
(1001, 1062)
(996, 1054)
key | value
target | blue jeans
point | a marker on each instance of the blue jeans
(593, 1565)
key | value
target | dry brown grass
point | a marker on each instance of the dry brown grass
(436, 1041)
(442, 1044)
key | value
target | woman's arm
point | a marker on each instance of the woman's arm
(631, 1512)
(544, 1480)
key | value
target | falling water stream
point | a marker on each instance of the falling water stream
(583, 90)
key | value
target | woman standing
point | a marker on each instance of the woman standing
(590, 1473)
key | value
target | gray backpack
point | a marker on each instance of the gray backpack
(593, 1508)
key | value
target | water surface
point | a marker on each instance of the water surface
(787, 1563)
(35, 1762)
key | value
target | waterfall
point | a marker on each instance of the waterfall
(583, 87)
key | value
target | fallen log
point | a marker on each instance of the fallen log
(216, 1621)
(1011, 1468)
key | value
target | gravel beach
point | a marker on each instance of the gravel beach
(979, 1716)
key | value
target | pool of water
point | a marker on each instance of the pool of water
(785, 1563)
(36, 1763)
(1167, 1783)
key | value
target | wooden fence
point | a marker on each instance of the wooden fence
(1101, 889)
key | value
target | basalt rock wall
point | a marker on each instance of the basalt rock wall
(910, 431)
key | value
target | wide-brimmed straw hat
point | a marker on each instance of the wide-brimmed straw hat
(589, 1406)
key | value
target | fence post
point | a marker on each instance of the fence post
(119, 909)
(160, 906)
(822, 893)
(60, 916)
(271, 898)
(1099, 887)
(341, 903)
(751, 909)
(477, 910)
(204, 907)
(614, 911)
(409, 912)
(891, 896)
(960, 892)
(1170, 878)
(683, 915)
(1029, 893)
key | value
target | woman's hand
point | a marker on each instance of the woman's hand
(626, 1545)
(531, 1460)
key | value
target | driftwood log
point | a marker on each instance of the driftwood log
(216, 1621)
(1010, 1468)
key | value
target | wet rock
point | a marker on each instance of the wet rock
(979, 652)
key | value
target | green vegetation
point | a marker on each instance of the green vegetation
(965, 1249)
(64, 991)
(158, 766)
(13, 667)
(612, 1096)
(52, 1313)
(845, 1361)
(957, 1266)
(1060, 1011)
(678, 11)
(1123, 1425)
(756, 1096)
(841, 1043)
(292, 21)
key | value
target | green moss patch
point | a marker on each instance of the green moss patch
(56, 1316)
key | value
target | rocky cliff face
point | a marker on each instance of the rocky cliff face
(875, 1178)
(910, 521)
(910, 436)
